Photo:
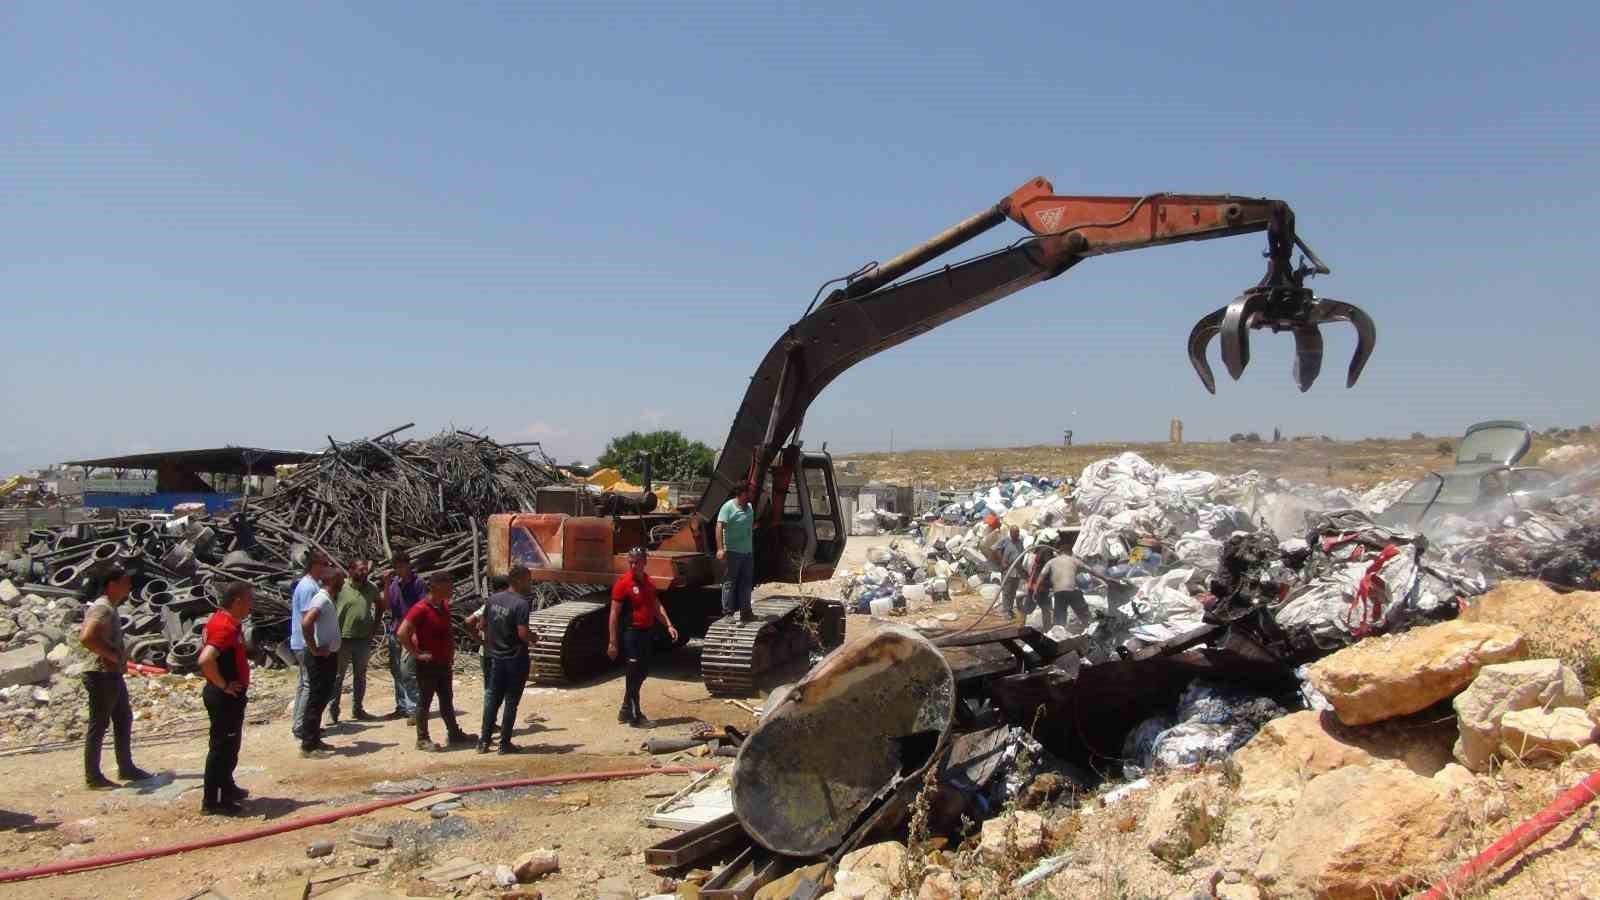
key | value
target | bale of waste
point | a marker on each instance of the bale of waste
(862, 726)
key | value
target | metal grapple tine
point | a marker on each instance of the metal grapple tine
(1235, 331)
(1307, 356)
(1199, 337)
(1366, 334)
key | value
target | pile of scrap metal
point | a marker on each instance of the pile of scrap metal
(967, 721)
(359, 500)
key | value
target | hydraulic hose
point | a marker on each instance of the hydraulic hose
(360, 809)
(1515, 841)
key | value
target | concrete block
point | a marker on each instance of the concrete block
(24, 665)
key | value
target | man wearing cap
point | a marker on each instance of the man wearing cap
(736, 550)
(635, 610)
(426, 633)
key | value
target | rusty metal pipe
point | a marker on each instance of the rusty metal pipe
(941, 243)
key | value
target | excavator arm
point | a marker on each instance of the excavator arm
(872, 312)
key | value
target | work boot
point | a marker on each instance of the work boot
(411, 720)
(323, 745)
(315, 753)
(362, 715)
(746, 616)
(625, 716)
(234, 793)
(133, 774)
(483, 747)
(507, 748)
(427, 746)
(461, 737)
(225, 808)
(99, 783)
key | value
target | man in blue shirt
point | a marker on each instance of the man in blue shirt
(736, 550)
(309, 584)
(401, 591)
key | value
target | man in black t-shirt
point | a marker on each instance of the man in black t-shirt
(505, 635)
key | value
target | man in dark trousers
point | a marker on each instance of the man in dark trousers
(225, 663)
(635, 610)
(426, 633)
(505, 641)
(101, 660)
(319, 628)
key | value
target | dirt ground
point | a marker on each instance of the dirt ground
(597, 828)
(1335, 463)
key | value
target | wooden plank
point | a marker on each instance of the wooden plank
(430, 800)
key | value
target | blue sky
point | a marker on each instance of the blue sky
(266, 223)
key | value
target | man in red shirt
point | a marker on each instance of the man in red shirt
(226, 666)
(425, 632)
(635, 610)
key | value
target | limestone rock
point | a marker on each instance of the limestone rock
(1541, 738)
(859, 886)
(24, 665)
(1178, 822)
(1019, 836)
(58, 656)
(536, 864)
(939, 883)
(1561, 625)
(1481, 800)
(1292, 749)
(1394, 675)
(9, 595)
(1238, 891)
(1586, 760)
(8, 628)
(1594, 710)
(785, 887)
(1502, 688)
(1360, 832)
(884, 862)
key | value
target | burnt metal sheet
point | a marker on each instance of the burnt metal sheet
(835, 747)
(692, 846)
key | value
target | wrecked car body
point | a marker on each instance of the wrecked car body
(1485, 479)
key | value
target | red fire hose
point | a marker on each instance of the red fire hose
(1517, 840)
(117, 859)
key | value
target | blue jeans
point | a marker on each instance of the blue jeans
(738, 578)
(403, 669)
(353, 654)
(507, 678)
(302, 690)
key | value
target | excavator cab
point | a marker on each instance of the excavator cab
(801, 532)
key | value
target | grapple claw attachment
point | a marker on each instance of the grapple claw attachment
(1281, 302)
(1201, 335)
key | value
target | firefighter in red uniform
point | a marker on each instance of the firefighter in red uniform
(635, 614)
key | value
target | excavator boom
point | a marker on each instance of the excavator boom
(873, 312)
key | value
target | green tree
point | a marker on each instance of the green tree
(673, 457)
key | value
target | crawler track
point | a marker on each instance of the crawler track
(734, 653)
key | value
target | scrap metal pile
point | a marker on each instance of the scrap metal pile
(359, 500)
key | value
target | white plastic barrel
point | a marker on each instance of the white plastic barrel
(989, 592)
(974, 582)
(914, 593)
(881, 606)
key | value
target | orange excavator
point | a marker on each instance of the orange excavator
(800, 535)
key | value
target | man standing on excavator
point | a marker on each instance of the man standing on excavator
(736, 550)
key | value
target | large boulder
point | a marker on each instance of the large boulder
(1503, 688)
(884, 863)
(1361, 832)
(1395, 675)
(1541, 737)
(1295, 748)
(1566, 626)
(1179, 822)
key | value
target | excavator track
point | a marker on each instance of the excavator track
(734, 653)
(570, 639)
